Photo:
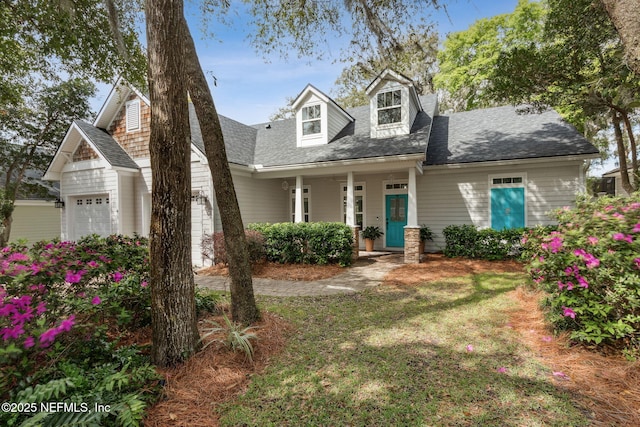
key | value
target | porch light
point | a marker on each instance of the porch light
(201, 199)
(59, 204)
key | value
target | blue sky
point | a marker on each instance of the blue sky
(249, 90)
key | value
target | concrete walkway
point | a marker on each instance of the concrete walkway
(365, 273)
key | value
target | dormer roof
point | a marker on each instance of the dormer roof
(310, 89)
(391, 75)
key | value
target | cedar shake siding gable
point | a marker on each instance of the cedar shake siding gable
(134, 142)
(501, 133)
(108, 147)
(84, 152)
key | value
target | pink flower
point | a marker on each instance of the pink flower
(92, 264)
(593, 240)
(117, 276)
(72, 277)
(67, 324)
(636, 228)
(11, 333)
(41, 308)
(620, 236)
(582, 282)
(144, 284)
(48, 337)
(469, 348)
(29, 342)
(637, 261)
(567, 312)
(547, 338)
(96, 300)
(502, 370)
(560, 375)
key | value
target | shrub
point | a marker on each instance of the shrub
(63, 307)
(307, 243)
(467, 241)
(213, 247)
(590, 268)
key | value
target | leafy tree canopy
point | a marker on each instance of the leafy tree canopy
(468, 60)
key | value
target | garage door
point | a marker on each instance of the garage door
(91, 216)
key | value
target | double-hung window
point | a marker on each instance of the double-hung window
(311, 117)
(389, 107)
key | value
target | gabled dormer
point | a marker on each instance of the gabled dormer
(393, 104)
(318, 118)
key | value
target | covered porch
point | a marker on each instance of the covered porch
(381, 194)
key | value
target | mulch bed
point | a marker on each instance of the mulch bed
(214, 376)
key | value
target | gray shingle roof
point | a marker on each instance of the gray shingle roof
(239, 139)
(277, 145)
(501, 133)
(106, 145)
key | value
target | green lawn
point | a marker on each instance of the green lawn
(393, 357)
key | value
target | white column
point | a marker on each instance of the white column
(299, 205)
(351, 215)
(412, 215)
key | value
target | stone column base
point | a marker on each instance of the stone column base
(355, 254)
(411, 245)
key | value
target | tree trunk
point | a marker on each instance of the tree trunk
(5, 230)
(625, 15)
(173, 311)
(633, 149)
(243, 305)
(622, 152)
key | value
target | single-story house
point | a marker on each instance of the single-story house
(616, 176)
(396, 163)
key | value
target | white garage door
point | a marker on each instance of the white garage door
(91, 216)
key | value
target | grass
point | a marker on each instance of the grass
(398, 356)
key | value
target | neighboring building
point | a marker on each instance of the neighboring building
(395, 163)
(614, 174)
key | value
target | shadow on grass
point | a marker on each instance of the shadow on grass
(398, 356)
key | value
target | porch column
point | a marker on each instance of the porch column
(412, 215)
(299, 205)
(350, 212)
(412, 230)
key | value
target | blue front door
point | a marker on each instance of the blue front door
(396, 208)
(507, 208)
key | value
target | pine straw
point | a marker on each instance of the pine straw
(436, 267)
(268, 270)
(213, 376)
(608, 386)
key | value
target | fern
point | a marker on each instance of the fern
(44, 392)
(129, 410)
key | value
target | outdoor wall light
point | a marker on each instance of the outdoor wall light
(59, 204)
(201, 199)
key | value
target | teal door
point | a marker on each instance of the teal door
(396, 208)
(507, 208)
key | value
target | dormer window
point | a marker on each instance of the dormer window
(311, 120)
(389, 107)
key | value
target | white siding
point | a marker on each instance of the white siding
(336, 121)
(35, 221)
(461, 196)
(128, 206)
(201, 215)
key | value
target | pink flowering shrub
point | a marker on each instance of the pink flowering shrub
(56, 292)
(590, 269)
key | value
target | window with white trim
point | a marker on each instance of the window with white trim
(311, 120)
(359, 203)
(133, 115)
(306, 204)
(389, 107)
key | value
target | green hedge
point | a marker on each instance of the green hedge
(307, 243)
(467, 241)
